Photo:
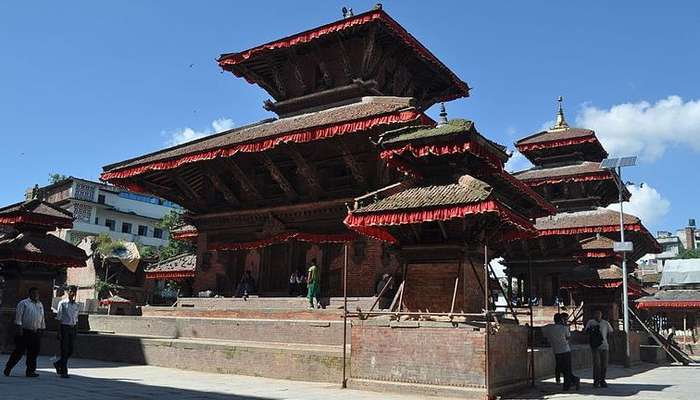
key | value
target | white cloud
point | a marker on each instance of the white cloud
(645, 203)
(189, 134)
(517, 162)
(645, 129)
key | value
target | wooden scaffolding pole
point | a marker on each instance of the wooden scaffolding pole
(345, 316)
(487, 363)
(531, 331)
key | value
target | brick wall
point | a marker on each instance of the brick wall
(508, 356)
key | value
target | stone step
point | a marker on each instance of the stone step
(254, 302)
(253, 313)
(294, 361)
(302, 331)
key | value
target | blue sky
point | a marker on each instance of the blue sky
(85, 83)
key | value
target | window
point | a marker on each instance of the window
(126, 227)
(97, 221)
(111, 224)
(143, 230)
(82, 212)
(101, 198)
(157, 233)
(84, 192)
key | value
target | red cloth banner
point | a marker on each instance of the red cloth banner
(347, 23)
(556, 143)
(55, 261)
(170, 275)
(663, 304)
(443, 149)
(437, 214)
(185, 235)
(590, 229)
(33, 219)
(375, 232)
(285, 237)
(301, 136)
(590, 177)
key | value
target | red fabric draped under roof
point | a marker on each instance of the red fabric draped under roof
(556, 143)
(589, 177)
(590, 229)
(664, 304)
(285, 237)
(35, 219)
(301, 136)
(184, 235)
(360, 19)
(170, 275)
(368, 224)
(632, 288)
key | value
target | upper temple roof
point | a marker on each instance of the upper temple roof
(369, 52)
(561, 145)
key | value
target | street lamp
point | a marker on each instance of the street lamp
(616, 164)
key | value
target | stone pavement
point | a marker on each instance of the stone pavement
(98, 380)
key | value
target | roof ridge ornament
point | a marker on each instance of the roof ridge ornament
(561, 121)
(443, 115)
(347, 12)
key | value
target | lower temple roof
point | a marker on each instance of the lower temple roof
(39, 247)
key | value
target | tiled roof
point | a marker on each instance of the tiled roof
(552, 135)
(452, 127)
(181, 263)
(38, 207)
(368, 107)
(674, 295)
(466, 190)
(17, 245)
(588, 218)
(580, 168)
(597, 243)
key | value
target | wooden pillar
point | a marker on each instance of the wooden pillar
(510, 288)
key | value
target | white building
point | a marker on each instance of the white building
(101, 208)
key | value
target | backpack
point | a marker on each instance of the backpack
(595, 338)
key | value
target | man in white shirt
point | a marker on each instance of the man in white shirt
(29, 322)
(558, 335)
(598, 330)
(67, 315)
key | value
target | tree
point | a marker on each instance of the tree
(174, 247)
(690, 253)
(55, 178)
(105, 247)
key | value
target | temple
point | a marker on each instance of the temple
(571, 262)
(353, 174)
(31, 257)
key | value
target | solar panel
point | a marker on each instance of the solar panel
(609, 163)
(628, 161)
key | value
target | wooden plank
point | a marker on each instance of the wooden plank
(278, 176)
(240, 176)
(352, 164)
(305, 170)
(221, 186)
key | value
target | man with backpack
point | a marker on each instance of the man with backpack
(598, 330)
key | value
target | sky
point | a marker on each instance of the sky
(84, 84)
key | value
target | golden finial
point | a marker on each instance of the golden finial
(561, 121)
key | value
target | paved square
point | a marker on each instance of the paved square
(98, 380)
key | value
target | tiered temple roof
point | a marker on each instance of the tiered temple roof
(175, 268)
(24, 237)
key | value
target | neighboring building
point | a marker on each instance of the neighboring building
(672, 247)
(102, 208)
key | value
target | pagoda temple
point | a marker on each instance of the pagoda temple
(353, 174)
(30, 256)
(571, 261)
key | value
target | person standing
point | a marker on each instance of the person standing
(558, 335)
(29, 322)
(598, 330)
(67, 315)
(313, 283)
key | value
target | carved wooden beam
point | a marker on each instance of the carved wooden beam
(278, 176)
(352, 164)
(443, 230)
(186, 188)
(276, 77)
(416, 232)
(347, 67)
(221, 186)
(248, 187)
(322, 66)
(370, 43)
(164, 192)
(305, 170)
(296, 71)
(260, 81)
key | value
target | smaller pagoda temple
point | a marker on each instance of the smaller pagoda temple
(30, 256)
(571, 259)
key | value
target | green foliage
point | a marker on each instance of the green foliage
(690, 253)
(55, 178)
(105, 246)
(105, 289)
(174, 247)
